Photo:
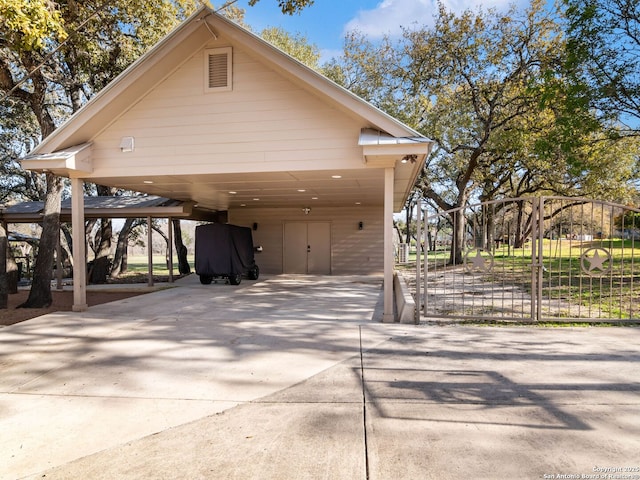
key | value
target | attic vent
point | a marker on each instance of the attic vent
(218, 69)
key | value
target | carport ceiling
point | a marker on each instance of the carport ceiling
(221, 192)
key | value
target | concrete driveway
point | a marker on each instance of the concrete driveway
(294, 377)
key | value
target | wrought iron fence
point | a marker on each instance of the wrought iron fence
(533, 259)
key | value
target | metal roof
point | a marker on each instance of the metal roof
(131, 206)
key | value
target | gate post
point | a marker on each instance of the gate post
(537, 233)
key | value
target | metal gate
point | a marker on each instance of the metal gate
(533, 259)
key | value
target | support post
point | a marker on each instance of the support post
(79, 246)
(170, 231)
(418, 259)
(150, 252)
(388, 314)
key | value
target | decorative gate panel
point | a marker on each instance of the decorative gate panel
(533, 259)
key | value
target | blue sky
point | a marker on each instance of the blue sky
(326, 22)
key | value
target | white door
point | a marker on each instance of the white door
(307, 247)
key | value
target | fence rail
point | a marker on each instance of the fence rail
(533, 259)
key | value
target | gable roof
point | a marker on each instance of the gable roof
(168, 54)
(70, 150)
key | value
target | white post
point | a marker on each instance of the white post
(425, 265)
(418, 260)
(388, 315)
(79, 246)
(170, 228)
(150, 252)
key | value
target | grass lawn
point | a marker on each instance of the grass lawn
(138, 268)
(568, 272)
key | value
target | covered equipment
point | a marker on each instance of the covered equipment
(224, 251)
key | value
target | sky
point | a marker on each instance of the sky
(326, 22)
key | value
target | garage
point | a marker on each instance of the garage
(314, 170)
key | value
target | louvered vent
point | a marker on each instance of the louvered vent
(218, 69)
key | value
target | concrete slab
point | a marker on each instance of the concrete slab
(497, 403)
(73, 384)
(261, 441)
(270, 381)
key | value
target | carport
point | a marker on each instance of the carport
(216, 117)
(133, 206)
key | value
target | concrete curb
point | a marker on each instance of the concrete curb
(405, 303)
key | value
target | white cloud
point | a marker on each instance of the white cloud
(390, 16)
(327, 54)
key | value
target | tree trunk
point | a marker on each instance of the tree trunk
(13, 273)
(396, 227)
(4, 290)
(181, 250)
(457, 237)
(101, 264)
(408, 209)
(100, 269)
(8, 266)
(40, 293)
(155, 226)
(89, 225)
(120, 257)
(489, 233)
(523, 226)
(67, 245)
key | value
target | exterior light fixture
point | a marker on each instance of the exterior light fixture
(360, 225)
(127, 144)
(409, 158)
(306, 210)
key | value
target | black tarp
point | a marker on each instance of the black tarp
(223, 250)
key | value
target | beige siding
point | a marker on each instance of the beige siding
(266, 123)
(353, 251)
